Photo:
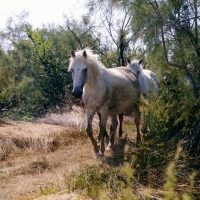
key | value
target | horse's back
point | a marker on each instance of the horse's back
(126, 72)
(124, 90)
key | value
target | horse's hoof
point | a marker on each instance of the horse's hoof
(99, 155)
(120, 134)
(108, 148)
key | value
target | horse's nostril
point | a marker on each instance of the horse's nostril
(77, 93)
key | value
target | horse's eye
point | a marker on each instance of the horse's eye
(85, 70)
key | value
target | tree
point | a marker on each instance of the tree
(54, 77)
(14, 31)
(82, 33)
(172, 26)
(170, 33)
(15, 64)
(114, 18)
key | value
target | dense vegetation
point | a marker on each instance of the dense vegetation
(34, 78)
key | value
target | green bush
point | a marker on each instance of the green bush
(29, 101)
(171, 120)
(103, 182)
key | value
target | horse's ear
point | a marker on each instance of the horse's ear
(73, 53)
(85, 54)
(128, 60)
(140, 61)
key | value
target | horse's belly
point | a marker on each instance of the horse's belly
(119, 100)
(121, 107)
(117, 110)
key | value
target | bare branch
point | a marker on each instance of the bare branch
(76, 37)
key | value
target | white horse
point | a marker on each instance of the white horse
(108, 92)
(147, 79)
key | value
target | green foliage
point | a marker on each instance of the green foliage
(7, 83)
(171, 178)
(19, 94)
(33, 69)
(31, 99)
(174, 108)
(47, 191)
(24, 100)
(170, 32)
(54, 78)
(172, 119)
(171, 181)
(103, 182)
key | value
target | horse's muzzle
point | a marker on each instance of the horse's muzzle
(77, 93)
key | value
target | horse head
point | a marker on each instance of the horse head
(79, 73)
(135, 65)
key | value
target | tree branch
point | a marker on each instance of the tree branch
(76, 37)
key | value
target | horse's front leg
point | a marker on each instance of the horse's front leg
(104, 117)
(89, 118)
(113, 131)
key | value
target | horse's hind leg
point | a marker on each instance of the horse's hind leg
(121, 116)
(137, 123)
(113, 131)
(89, 118)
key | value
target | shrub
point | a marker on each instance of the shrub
(171, 120)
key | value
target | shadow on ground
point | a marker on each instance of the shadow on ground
(123, 149)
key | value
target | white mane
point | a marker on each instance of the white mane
(92, 60)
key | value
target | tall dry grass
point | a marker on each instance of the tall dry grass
(44, 135)
(75, 118)
(34, 157)
(31, 137)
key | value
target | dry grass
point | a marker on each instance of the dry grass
(75, 119)
(36, 159)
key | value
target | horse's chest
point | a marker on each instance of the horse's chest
(92, 102)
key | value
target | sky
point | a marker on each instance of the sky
(41, 11)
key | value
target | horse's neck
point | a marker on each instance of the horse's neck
(95, 88)
(96, 74)
(143, 83)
